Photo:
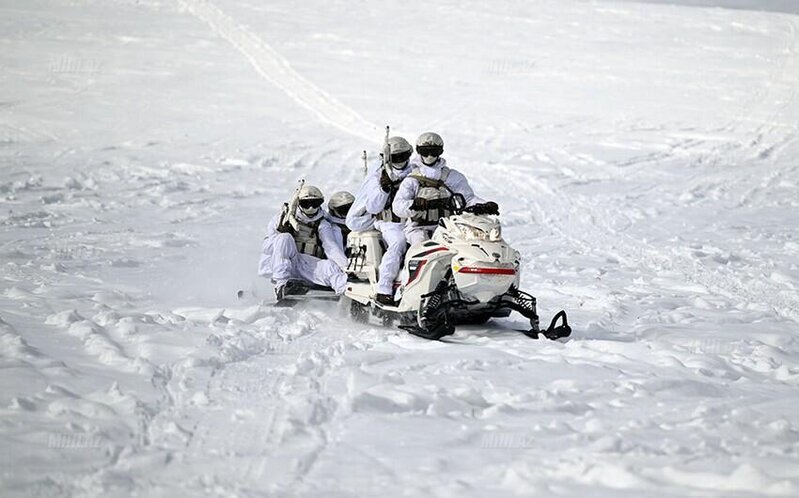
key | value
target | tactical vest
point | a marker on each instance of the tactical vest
(306, 237)
(431, 189)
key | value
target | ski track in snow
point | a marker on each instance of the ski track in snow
(277, 70)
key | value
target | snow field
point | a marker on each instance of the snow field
(643, 160)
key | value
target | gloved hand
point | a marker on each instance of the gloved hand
(385, 182)
(420, 204)
(285, 228)
(287, 225)
(489, 207)
(441, 203)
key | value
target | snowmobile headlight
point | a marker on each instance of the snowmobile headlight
(472, 233)
(495, 234)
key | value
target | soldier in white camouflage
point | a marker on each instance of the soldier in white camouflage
(373, 209)
(301, 245)
(424, 196)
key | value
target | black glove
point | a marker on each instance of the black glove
(385, 182)
(485, 208)
(285, 227)
(419, 204)
(441, 203)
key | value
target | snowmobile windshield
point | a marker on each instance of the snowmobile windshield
(473, 233)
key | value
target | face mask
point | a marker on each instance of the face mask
(310, 207)
(309, 212)
(393, 174)
(399, 166)
(341, 211)
(429, 160)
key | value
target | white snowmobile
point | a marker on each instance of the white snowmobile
(466, 274)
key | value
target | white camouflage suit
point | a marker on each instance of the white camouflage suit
(281, 259)
(409, 187)
(338, 232)
(370, 201)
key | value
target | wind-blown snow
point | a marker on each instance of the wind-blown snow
(644, 160)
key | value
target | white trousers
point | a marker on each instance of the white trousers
(279, 257)
(391, 263)
(416, 234)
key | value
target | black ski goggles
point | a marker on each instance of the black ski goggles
(401, 157)
(429, 150)
(311, 203)
(341, 211)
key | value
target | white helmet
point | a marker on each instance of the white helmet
(429, 146)
(400, 151)
(340, 203)
(310, 199)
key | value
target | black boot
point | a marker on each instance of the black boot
(354, 278)
(385, 300)
(290, 288)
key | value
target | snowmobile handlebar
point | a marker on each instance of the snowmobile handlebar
(457, 204)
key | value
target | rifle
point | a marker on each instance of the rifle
(386, 154)
(289, 210)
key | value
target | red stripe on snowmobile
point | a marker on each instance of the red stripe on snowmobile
(487, 270)
(417, 271)
(431, 251)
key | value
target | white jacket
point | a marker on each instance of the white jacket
(371, 199)
(410, 186)
(326, 231)
(338, 225)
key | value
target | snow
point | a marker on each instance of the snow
(644, 160)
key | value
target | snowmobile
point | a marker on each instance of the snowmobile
(465, 274)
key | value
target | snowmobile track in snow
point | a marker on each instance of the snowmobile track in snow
(277, 70)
